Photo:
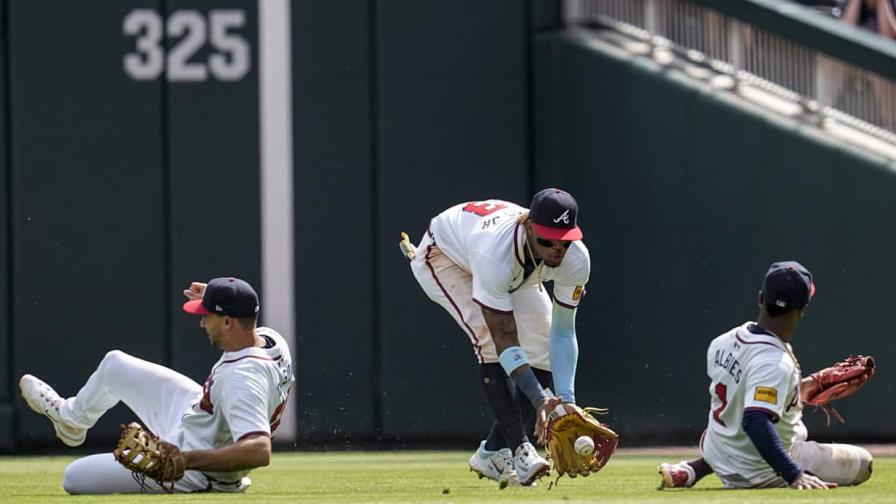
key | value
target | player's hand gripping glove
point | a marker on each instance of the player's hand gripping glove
(842, 379)
(147, 456)
(566, 423)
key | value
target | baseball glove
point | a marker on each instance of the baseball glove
(147, 456)
(566, 423)
(842, 379)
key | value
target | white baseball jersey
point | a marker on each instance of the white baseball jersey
(244, 394)
(485, 239)
(750, 369)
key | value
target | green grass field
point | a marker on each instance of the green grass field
(432, 477)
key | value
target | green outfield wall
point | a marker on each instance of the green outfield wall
(128, 172)
(687, 194)
(422, 107)
(127, 175)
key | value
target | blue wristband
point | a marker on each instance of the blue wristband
(512, 358)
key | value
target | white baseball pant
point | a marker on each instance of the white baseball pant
(157, 395)
(448, 285)
(843, 464)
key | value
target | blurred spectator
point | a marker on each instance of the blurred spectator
(828, 7)
(878, 16)
(852, 90)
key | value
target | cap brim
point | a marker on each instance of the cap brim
(552, 233)
(195, 307)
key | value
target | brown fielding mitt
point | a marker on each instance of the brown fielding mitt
(147, 456)
(566, 423)
(842, 379)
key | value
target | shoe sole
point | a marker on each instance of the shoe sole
(536, 476)
(502, 484)
(72, 442)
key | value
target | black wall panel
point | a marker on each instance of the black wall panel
(7, 379)
(687, 195)
(127, 180)
(335, 220)
(87, 229)
(214, 206)
(452, 127)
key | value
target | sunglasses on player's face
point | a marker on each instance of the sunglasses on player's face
(551, 243)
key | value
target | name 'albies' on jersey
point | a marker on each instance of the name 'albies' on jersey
(245, 393)
(750, 369)
(486, 240)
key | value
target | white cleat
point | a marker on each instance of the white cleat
(496, 466)
(529, 464)
(44, 400)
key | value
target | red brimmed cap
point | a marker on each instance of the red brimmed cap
(553, 213)
(225, 296)
(195, 307)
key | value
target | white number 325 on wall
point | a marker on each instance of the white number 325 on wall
(229, 59)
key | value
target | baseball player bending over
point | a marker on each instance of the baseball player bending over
(755, 436)
(485, 262)
(224, 428)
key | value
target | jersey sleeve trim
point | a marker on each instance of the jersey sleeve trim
(775, 417)
(571, 307)
(254, 433)
(489, 308)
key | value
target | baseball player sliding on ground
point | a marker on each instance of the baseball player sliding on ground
(485, 262)
(756, 437)
(223, 428)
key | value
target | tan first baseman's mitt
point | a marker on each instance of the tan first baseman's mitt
(147, 456)
(568, 422)
(842, 379)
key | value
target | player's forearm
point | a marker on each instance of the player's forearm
(759, 428)
(807, 387)
(516, 365)
(244, 454)
(564, 352)
(502, 327)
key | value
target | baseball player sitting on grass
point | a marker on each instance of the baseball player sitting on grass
(223, 428)
(756, 437)
(485, 262)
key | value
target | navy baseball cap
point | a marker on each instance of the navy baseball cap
(225, 296)
(553, 213)
(788, 285)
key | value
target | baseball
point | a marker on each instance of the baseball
(584, 445)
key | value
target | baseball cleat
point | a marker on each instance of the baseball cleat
(529, 464)
(44, 400)
(494, 465)
(680, 475)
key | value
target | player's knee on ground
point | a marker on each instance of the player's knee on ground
(865, 465)
(75, 480)
(855, 464)
(843, 464)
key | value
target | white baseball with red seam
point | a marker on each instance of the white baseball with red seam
(584, 446)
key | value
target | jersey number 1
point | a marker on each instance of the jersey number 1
(722, 393)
